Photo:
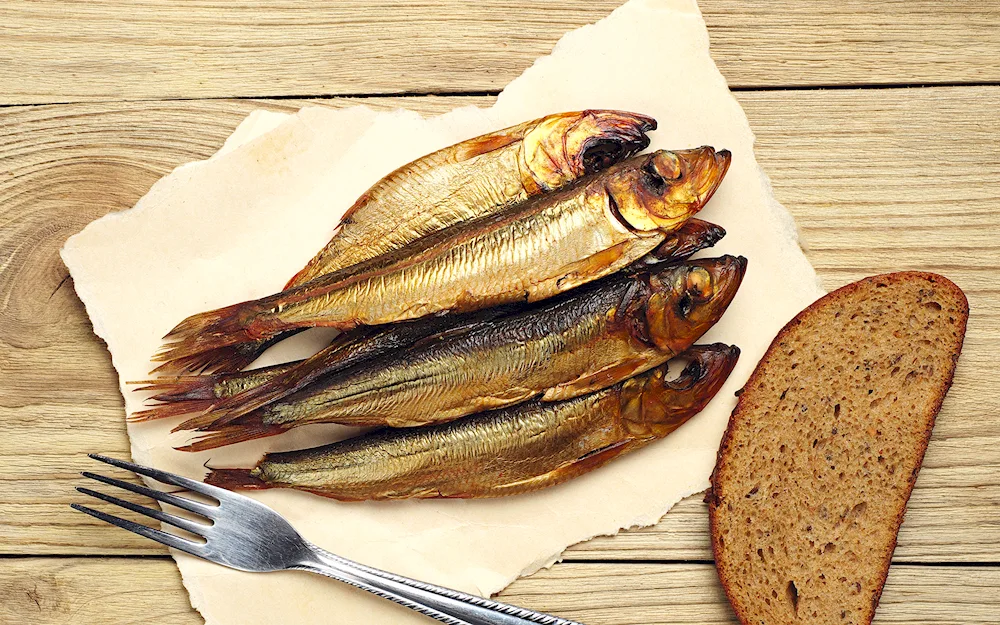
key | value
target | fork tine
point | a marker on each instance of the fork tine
(167, 478)
(164, 538)
(181, 502)
(176, 521)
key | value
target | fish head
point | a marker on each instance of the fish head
(564, 147)
(662, 190)
(686, 300)
(694, 236)
(653, 404)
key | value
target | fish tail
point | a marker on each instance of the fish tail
(240, 405)
(229, 358)
(209, 421)
(230, 435)
(229, 337)
(335, 357)
(235, 479)
(204, 421)
(180, 388)
(171, 409)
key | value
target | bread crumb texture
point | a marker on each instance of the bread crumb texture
(824, 446)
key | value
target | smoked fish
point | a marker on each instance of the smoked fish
(504, 452)
(476, 178)
(544, 246)
(233, 394)
(579, 342)
(199, 393)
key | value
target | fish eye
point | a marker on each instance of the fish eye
(699, 284)
(684, 305)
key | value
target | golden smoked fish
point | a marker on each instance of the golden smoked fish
(582, 341)
(472, 179)
(504, 452)
(545, 246)
(233, 394)
(476, 178)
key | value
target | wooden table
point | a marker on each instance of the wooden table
(100, 99)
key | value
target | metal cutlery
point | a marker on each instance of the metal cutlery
(246, 535)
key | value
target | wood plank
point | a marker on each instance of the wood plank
(878, 181)
(56, 51)
(113, 591)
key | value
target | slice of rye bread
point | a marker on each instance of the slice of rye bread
(824, 446)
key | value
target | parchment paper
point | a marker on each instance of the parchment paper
(238, 225)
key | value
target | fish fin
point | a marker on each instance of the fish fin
(171, 409)
(585, 270)
(220, 359)
(597, 380)
(514, 395)
(233, 479)
(180, 388)
(210, 339)
(230, 435)
(245, 402)
(584, 464)
(485, 144)
(204, 421)
(450, 333)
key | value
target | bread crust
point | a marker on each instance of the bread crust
(743, 406)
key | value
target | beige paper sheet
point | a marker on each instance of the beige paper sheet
(238, 225)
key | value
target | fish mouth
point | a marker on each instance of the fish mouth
(600, 153)
(727, 274)
(704, 362)
(706, 168)
(621, 135)
(667, 404)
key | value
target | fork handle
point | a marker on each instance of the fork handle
(443, 604)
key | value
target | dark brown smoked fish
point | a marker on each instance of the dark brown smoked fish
(582, 341)
(504, 452)
(476, 178)
(545, 246)
(234, 394)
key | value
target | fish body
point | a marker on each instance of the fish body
(546, 246)
(208, 392)
(230, 395)
(482, 176)
(477, 178)
(589, 339)
(502, 452)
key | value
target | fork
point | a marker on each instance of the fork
(246, 535)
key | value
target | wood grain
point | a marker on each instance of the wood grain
(60, 51)
(68, 591)
(877, 180)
